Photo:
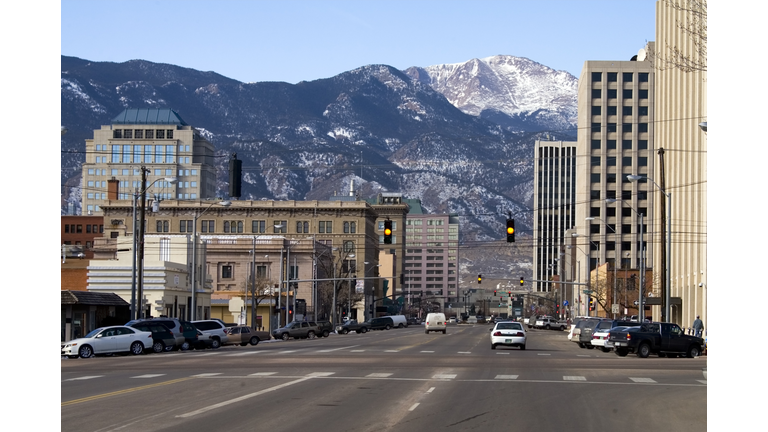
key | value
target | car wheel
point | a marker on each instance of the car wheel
(589, 346)
(493, 346)
(254, 340)
(426, 331)
(522, 347)
(137, 348)
(400, 326)
(216, 343)
(286, 336)
(581, 345)
(694, 351)
(443, 331)
(547, 327)
(326, 333)
(605, 349)
(622, 352)
(344, 331)
(562, 328)
(387, 327)
(169, 348)
(85, 351)
(643, 350)
(311, 335)
(158, 347)
(185, 346)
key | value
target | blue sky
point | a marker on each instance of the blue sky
(296, 40)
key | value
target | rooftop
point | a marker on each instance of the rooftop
(158, 116)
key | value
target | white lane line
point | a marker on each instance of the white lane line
(350, 351)
(460, 352)
(378, 375)
(642, 380)
(263, 374)
(574, 378)
(84, 378)
(421, 351)
(203, 375)
(391, 350)
(413, 407)
(444, 376)
(241, 398)
(320, 374)
(244, 353)
(148, 376)
(431, 389)
(542, 354)
(501, 353)
(507, 377)
(337, 349)
(702, 381)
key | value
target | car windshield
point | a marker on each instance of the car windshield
(508, 326)
(93, 333)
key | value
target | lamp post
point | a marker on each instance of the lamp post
(668, 248)
(193, 303)
(137, 287)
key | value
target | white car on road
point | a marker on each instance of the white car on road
(107, 340)
(508, 333)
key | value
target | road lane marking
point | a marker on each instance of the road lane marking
(203, 375)
(642, 380)
(543, 354)
(427, 351)
(245, 353)
(574, 378)
(444, 376)
(431, 389)
(507, 377)
(464, 352)
(413, 407)
(242, 398)
(378, 375)
(84, 378)
(337, 349)
(391, 350)
(148, 376)
(130, 390)
(502, 353)
(357, 351)
(702, 381)
(320, 374)
(263, 374)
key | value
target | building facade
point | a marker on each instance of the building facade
(616, 122)
(156, 140)
(554, 208)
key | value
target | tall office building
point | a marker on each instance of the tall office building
(554, 207)
(156, 139)
(615, 139)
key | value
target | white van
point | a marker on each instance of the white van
(399, 320)
(435, 322)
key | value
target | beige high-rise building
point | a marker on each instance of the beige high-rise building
(681, 101)
(615, 139)
(156, 139)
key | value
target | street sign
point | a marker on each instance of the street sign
(587, 291)
(565, 303)
(635, 302)
(614, 308)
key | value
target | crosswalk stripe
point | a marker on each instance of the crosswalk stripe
(378, 375)
(506, 377)
(642, 380)
(263, 374)
(149, 376)
(320, 374)
(574, 378)
(444, 376)
(84, 378)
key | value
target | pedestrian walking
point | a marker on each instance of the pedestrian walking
(698, 326)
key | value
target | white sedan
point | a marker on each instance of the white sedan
(508, 333)
(107, 340)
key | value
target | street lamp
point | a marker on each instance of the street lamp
(138, 242)
(668, 248)
(193, 305)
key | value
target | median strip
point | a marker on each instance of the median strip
(121, 392)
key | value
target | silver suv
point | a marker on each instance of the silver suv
(216, 329)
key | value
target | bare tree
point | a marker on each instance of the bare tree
(335, 264)
(693, 27)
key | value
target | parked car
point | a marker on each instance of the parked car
(664, 339)
(162, 337)
(399, 321)
(353, 326)
(106, 340)
(585, 335)
(296, 330)
(244, 335)
(324, 328)
(381, 323)
(550, 323)
(508, 333)
(452, 320)
(217, 329)
(601, 332)
(435, 323)
(414, 321)
(174, 325)
(204, 341)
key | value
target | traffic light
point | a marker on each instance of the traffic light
(510, 230)
(509, 293)
(557, 309)
(235, 176)
(591, 304)
(479, 279)
(494, 293)
(521, 281)
(387, 231)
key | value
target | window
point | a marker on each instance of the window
(138, 133)
(594, 212)
(611, 127)
(226, 272)
(233, 227)
(612, 110)
(185, 226)
(349, 246)
(280, 227)
(626, 94)
(258, 226)
(160, 134)
(595, 144)
(117, 133)
(595, 178)
(595, 160)
(597, 76)
(302, 227)
(325, 227)
(642, 76)
(349, 227)
(642, 111)
(208, 226)
(165, 249)
(626, 161)
(643, 94)
(627, 110)
(627, 76)
(626, 144)
(612, 93)
(594, 194)
(149, 134)
(128, 133)
(627, 127)
(595, 127)
(642, 127)
(596, 93)
(163, 226)
(642, 144)
(596, 110)
(169, 134)
(613, 76)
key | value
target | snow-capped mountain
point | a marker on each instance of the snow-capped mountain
(468, 151)
(513, 91)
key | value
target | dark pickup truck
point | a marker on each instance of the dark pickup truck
(664, 339)
(353, 326)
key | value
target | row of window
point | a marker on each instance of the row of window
(257, 227)
(159, 172)
(626, 161)
(614, 93)
(612, 177)
(613, 127)
(143, 133)
(596, 144)
(625, 76)
(78, 229)
(613, 109)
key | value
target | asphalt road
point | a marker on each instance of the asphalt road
(400, 379)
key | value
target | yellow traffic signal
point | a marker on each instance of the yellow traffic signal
(387, 231)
